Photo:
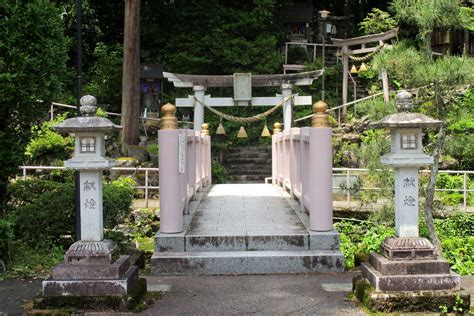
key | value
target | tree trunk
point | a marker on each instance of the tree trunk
(430, 190)
(130, 79)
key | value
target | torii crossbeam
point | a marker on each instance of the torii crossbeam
(199, 83)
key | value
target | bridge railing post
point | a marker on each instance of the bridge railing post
(320, 171)
(171, 206)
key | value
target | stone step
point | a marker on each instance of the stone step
(238, 171)
(247, 242)
(410, 282)
(259, 160)
(246, 262)
(248, 178)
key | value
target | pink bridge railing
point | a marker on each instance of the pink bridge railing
(302, 164)
(185, 168)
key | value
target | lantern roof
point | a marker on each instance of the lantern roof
(89, 122)
(404, 118)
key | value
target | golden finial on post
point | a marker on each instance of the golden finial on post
(205, 129)
(168, 120)
(320, 117)
(276, 128)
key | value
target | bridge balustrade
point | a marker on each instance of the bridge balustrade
(185, 168)
(302, 164)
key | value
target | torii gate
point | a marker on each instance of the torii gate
(242, 84)
(362, 41)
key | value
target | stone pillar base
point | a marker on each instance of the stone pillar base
(407, 277)
(92, 270)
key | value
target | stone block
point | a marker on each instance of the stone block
(169, 242)
(407, 301)
(91, 253)
(418, 248)
(389, 267)
(217, 242)
(273, 241)
(412, 282)
(246, 262)
(93, 272)
(122, 286)
(324, 240)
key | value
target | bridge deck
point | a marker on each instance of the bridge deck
(245, 209)
(246, 229)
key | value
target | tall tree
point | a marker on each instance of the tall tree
(428, 15)
(130, 81)
(32, 67)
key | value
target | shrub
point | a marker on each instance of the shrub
(46, 145)
(42, 211)
(297, 54)
(219, 172)
(460, 254)
(453, 182)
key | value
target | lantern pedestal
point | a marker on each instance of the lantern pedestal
(408, 276)
(93, 274)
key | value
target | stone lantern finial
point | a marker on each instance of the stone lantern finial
(320, 117)
(88, 105)
(404, 101)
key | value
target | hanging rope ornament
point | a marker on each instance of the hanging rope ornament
(363, 68)
(266, 131)
(220, 129)
(353, 69)
(242, 133)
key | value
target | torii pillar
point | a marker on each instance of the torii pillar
(286, 91)
(198, 107)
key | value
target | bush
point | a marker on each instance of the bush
(42, 211)
(363, 237)
(453, 182)
(219, 172)
(460, 254)
(297, 54)
(46, 145)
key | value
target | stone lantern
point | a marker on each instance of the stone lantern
(408, 262)
(92, 266)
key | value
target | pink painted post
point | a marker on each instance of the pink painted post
(320, 178)
(209, 162)
(294, 160)
(305, 166)
(274, 159)
(171, 207)
(191, 161)
(198, 160)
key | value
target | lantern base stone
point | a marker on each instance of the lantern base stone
(408, 301)
(93, 271)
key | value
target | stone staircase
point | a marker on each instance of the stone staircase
(248, 164)
(259, 232)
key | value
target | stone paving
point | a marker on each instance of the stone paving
(245, 209)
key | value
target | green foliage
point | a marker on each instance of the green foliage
(453, 182)
(29, 262)
(377, 21)
(32, 67)
(144, 223)
(152, 149)
(376, 108)
(460, 254)
(105, 75)
(244, 37)
(428, 14)
(297, 54)
(219, 172)
(46, 145)
(50, 205)
(362, 237)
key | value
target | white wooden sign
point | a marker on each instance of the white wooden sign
(181, 151)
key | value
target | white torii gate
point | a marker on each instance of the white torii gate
(242, 91)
